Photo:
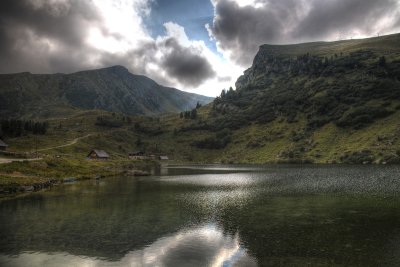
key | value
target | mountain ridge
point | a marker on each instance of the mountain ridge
(112, 89)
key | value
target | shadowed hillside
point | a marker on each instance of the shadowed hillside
(113, 89)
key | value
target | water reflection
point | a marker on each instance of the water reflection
(211, 216)
(198, 246)
(213, 180)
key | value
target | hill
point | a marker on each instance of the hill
(350, 83)
(313, 102)
(113, 89)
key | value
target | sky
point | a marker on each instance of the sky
(199, 46)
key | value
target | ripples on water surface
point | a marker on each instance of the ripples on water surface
(211, 216)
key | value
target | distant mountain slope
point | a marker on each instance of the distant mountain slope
(112, 89)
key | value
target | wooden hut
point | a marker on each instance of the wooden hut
(137, 155)
(98, 154)
(3, 146)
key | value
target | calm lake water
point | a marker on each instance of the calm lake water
(211, 216)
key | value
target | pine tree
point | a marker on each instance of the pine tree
(193, 114)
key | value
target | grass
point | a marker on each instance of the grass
(256, 143)
(28, 172)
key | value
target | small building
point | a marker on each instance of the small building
(3, 146)
(137, 155)
(98, 154)
(163, 158)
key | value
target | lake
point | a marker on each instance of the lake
(211, 215)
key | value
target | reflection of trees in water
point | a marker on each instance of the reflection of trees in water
(93, 220)
(277, 217)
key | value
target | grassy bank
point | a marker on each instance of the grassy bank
(19, 177)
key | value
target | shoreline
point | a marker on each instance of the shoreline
(27, 182)
(14, 190)
(24, 177)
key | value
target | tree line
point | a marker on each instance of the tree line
(15, 128)
(190, 114)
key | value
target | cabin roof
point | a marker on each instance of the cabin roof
(136, 153)
(2, 143)
(100, 153)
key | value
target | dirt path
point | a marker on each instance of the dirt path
(9, 160)
(67, 144)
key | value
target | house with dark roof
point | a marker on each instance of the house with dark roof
(3, 146)
(137, 155)
(98, 154)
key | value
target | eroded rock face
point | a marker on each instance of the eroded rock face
(264, 64)
(270, 63)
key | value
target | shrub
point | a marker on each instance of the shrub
(361, 116)
(108, 121)
(358, 157)
(219, 141)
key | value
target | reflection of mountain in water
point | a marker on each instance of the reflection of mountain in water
(198, 246)
(280, 215)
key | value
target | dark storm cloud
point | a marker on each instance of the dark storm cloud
(326, 17)
(241, 30)
(184, 64)
(30, 32)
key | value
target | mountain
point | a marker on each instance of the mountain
(324, 102)
(113, 89)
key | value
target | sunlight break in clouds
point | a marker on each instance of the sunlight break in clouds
(172, 59)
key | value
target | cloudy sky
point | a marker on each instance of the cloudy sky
(199, 46)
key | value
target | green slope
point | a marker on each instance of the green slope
(112, 89)
(277, 141)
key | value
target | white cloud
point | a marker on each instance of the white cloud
(122, 26)
(123, 33)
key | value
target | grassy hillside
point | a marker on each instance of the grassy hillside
(113, 89)
(185, 140)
